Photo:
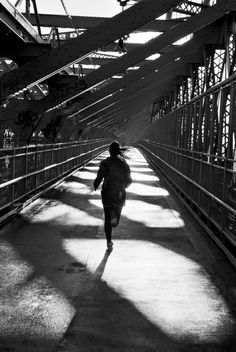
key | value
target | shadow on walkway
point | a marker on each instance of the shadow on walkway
(66, 285)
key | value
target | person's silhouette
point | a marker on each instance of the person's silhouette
(115, 173)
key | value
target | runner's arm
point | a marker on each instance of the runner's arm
(100, 175)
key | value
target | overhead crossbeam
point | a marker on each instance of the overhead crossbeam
(208, 35)
(87, 22)
(158, 44)
(61, 57)
(193, 55)
(17, 23)
(150, 86)
(134, 105)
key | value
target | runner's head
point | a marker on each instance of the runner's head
(115, 149)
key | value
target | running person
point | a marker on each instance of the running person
(115, 173)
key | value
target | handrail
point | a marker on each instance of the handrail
(232, 210)
(26, 174)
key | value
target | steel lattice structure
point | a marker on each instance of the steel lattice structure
(192, 140)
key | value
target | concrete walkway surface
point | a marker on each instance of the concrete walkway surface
(164, 288)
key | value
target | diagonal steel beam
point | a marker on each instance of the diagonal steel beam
(138, 104)
(140, 98)
(193, 24)
(208, 35)
(59, 58)
(133, 104)
(125, 107)
(86, 22)
(148, 82)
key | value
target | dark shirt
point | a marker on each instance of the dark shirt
(115, 173)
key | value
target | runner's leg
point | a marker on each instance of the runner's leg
(107, 223)
(115, 215)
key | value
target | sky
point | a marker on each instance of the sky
(100, 8)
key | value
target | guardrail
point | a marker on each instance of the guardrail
(26, 172)
(206, 183)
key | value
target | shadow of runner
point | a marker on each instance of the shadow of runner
(105, 321)
(101, 267)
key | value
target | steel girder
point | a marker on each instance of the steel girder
(90, 22)
(130, 108)
(122, 117)
(19, 40)
(125, 106)
(218, 62)
(133, 104)
(156, 97)
(136, 102)
(149, 81)
(59, 58)
(208, 35)
(193, 24)
(139, 99)
(26, 52)
(17, 23)
(144, 95)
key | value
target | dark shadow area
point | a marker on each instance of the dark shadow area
(104, 320)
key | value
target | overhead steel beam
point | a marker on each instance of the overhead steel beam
(193, 24)
(29, 50)
(62, 21)
(17, 23)
(120, 117)
(99, 113)
(59, 58)
(148, 81)
(141, 97)
(138, 102)
(207, 35)
(127, 105)
(124, 109)
(90, 22)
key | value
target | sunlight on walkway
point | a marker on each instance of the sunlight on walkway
(63, 214)
(170, 290)
(141, 189)
(57, 280)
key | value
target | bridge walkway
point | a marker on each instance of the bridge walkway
(165, 287)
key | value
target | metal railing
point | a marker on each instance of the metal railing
(207, 184)
(27, 171)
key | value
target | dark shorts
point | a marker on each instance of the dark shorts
(113, 197)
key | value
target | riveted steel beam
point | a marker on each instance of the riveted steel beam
(59, 58)
(17, 23)
(90, 22)
(193, 24)
(25, 52)
(139, 98)
(149, 81)
(127, 105)
(137, 102)
(132, 106)
(208, 35)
